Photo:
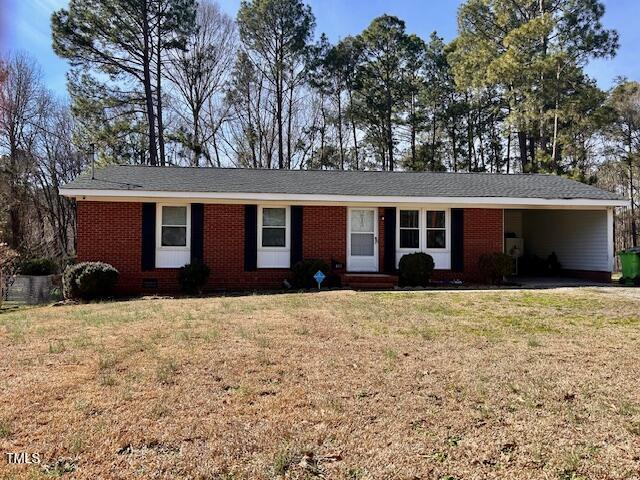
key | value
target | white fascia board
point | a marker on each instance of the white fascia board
(292, 198)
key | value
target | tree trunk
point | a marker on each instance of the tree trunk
(279, 102)
(434, 128)
(215, 150)
(389, 133)
(15, 219)
(355, 136)
(554, 151)
(159, 98)
(470, 149)
(454, 145)
(481, 148)
(413, 130)
(197, 146)
(508, 150)
(289, 124)
(532, 154)
(148, 90)
(340, 130)
(634, 225)
(522, 144)
(322, 130)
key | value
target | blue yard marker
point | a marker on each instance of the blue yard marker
(319, 277)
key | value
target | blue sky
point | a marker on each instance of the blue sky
(24, 25)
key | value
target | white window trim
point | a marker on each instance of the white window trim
(159, 226)
(264, 252)
(420, 214)
(446, 228)
(422, 221)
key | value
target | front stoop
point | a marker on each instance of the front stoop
(369, 281)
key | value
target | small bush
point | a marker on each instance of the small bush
(193, 277)
(304, 271)
(495, 266)
(39, 266)
(89, 280)
(69, 281)
(415, 269)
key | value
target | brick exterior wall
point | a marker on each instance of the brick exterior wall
(483, 233)
(111, 232)
(324, 233)
(224, 252)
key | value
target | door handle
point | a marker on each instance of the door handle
(375, 240)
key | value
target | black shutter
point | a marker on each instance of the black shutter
(457, 239)
(250, 238)
(148, 236)
(197, 233)
(296, 234)
(389, 240)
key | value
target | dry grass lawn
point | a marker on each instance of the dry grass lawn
(464, 385)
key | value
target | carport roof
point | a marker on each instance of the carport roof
(124, 180)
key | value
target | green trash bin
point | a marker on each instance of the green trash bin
(630, 263)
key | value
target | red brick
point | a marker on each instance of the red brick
(111, 232)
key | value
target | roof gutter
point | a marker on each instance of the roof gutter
(138, 195)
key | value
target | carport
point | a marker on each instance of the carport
(581, 239)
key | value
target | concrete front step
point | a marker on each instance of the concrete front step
(369, 281)
(371, 286)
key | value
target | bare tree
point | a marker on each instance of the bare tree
(251, 134)
(38, 156)
(200, 75)
(57, 162)
(20, 111)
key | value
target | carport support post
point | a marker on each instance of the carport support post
(610, 238)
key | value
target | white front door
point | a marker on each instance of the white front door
(362, 244)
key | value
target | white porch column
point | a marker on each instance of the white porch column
(610, 238)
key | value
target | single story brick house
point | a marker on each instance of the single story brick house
(250, 226)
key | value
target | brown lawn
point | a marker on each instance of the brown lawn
(465, 385)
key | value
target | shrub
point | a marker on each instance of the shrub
(8, 266)
(89, 280)
(304, 270)
(193, 277)
(415, 269)
(69, 280)
(495, 266)
(39, 266)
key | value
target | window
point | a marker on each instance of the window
(424, 230)
(409, 229)
(174, 226)
(273, 237)
(436, 229)
(274, 227)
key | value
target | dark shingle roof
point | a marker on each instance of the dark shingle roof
(410, 184)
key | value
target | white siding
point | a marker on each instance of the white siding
(513, 222)
(579, 238)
